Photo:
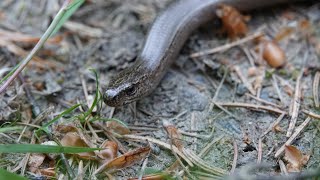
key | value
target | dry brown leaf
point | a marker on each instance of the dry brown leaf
(233, 21)
(246, 139)
(109, 152)
(173, 134)
(35, 161)
(48, 172)
(118, 128)
(283, 33)
(126, 160)
(73, 139)
(296, 160)
(288, 90)
(65, 128)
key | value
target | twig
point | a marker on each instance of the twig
(244, 80)
(235, 157)
(311, 114)
(218, 90)
(252, 106)
(247, 52)
(224, 109)
(143, 167)
(277, 121)
(205, 150)
(259, 151)
(185, 168)
(276, 86)
(163, 144)
(315, 89)
(294, 135)
(227, 46)
(283, 167)
(295, 105)
(202, 164)
(262, 100)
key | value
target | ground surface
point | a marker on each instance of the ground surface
(187, 97)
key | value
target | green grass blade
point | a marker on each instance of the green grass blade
(10, 129)
(9, 74)
(37, 148)
(96, 98)
(111, 119)
(69, 10)
(64, 13)
(9, 175)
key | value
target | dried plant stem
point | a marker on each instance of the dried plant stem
(315, 89)
(252, 106)
(294, 135)
(259, 151)
(235, 157)
(244, 80)
(263, 101)
(277, 121)
(295, 105)
(163, 144)
(227, 46)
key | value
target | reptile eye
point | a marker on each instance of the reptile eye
(131, 91)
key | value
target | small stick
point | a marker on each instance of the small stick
(294, 135)
(244, 80)
(262, 100)
(311, 114)
(160, 143)
(295, 105)
(253, 106)
(259, 151)
(276, 86)
(205, 150)
(193, 128)
(226, 46)
(277, 121)
(143, 167)
(247, 52)
(224, 109)
(315, 89)
(283, 167)
(235, 157)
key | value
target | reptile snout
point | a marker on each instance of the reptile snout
(110, 97)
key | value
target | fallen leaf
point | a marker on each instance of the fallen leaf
(49, 172)
(288, 90)
(117, 127)
(173, 134)
(73, 139)
(109, 152)
(233, 21)
(65, 128)
(126, 160)
(35, 161)
(283, 33)
(296, 160)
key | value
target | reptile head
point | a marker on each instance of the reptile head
(126, 87)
